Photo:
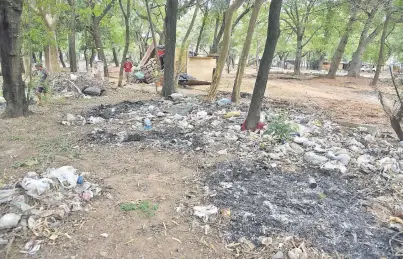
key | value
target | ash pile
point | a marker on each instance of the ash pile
(37, 205)
(78, 84)
(354, 209)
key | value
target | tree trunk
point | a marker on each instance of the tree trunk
(61, 58)
(338, 54)
(355, 65)
(93, 53)
(72, 37)
(381, 57)
(298, 55)
(86, 58)
(183, 50)
(157, 58)
(273, 32)
(321, 61)
(126, 15)
(214, 46)
(34, 58)
(10, 48)
(46, 50)
(99, 46)
(170, 42)
(201, 31)
(224, 52)
(236, 92)
(115, 57)
(40, 56)
(395, 123)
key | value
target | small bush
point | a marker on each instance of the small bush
(281, 127)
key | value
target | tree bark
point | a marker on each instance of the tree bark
(34, 58)
(183, 50)
(115, 57)
(338, 54)
(395, 123)
(298, 55)
(205, 16)
(72, 37)
(96, 20)
(99, 46)
(355, 65)
(40, 56)
(381, 58)
(273, 32)
(170, 42)
(86, 58)
(224, 52)
(236, 92)
(61, 58)
(154, 38)
(214, 47)
(10, 51)
(93, 54)
(126, 15)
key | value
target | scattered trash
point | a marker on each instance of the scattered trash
(42, 204)
(224, 101)
(205, 211)
(314, 159)
(32, 247)
(265, 241)
(147, 124)
(232, 114)
(312, 183)
(278, 255)
(9, 220)
(105, 235)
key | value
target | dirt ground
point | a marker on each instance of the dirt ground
(160, 177)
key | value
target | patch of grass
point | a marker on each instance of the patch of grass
(281, 128)
(29, 162)
(15, 138)
(144, 207)
(61, 145)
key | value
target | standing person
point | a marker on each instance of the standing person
(42, 75)
(128, 65)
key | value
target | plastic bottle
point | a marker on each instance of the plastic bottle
(147, 123)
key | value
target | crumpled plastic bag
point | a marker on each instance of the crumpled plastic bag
(36, 187)
(66, 175)
(205, 211)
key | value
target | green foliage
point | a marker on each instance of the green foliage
(145, 207)
(280, 127)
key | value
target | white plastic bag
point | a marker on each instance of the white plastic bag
(66, 175)
(36, 187)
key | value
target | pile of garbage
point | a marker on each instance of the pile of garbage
(267, 180)
(78, 84)
(38, 204)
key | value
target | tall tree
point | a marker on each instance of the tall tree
(381, 54)
(10, 49)
(273, 32)
(184, 50)
(170, 42)
(49, 12)
(365, 37)
(126, 15)
(204, 20)
(297, 17)
(96, 18)
(236, 92)
(72, 36)
(341, 47)
(224, 52)
(153, 36)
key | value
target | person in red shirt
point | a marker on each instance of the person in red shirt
(128, 65)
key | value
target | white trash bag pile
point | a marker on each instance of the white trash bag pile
(38, 204)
